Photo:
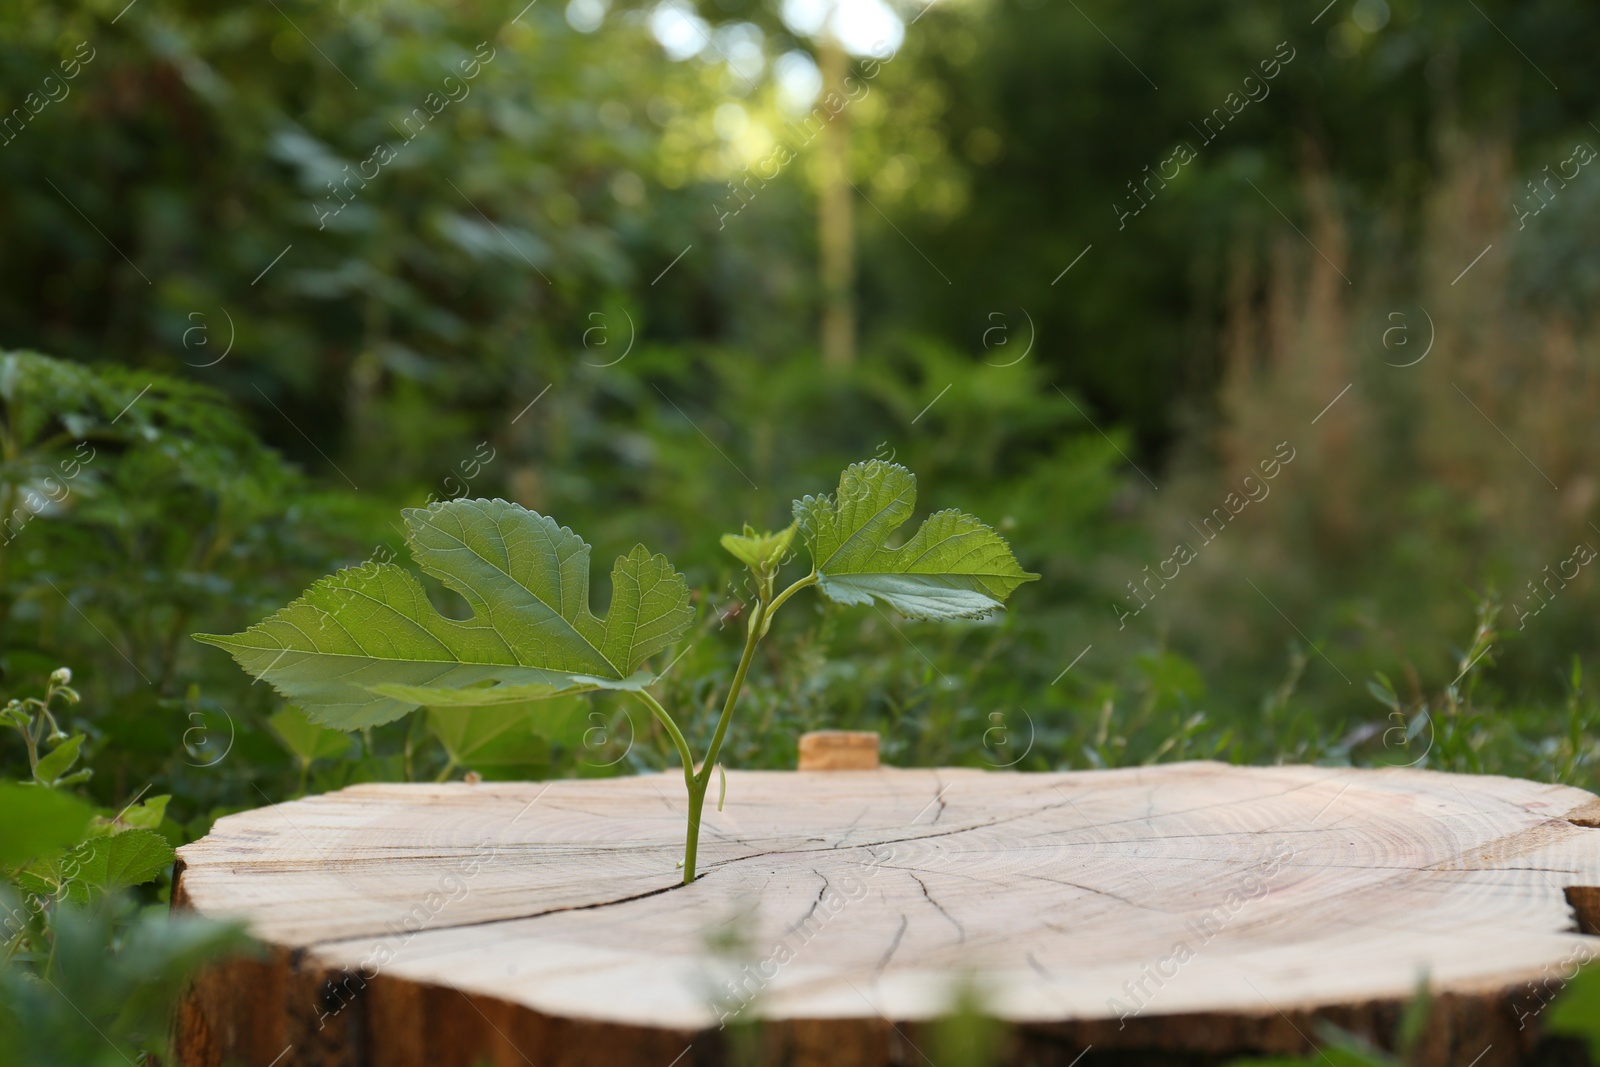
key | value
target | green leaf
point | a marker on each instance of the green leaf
(490, 695)
(953, 566)
(146, 816)
(121, 860)
(762, 553)
(58, 761)
(571, 723)
(340, 647)
(304, 738)
(1382, 690)
(492, 737)
(35, 822)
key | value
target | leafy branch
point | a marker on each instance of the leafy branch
(366, 645)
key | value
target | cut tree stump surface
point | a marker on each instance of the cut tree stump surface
(1168, 894)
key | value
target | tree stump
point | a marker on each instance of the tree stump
(1195, 909)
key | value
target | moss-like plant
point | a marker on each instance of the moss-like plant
(365, 646)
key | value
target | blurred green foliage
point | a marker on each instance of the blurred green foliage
(264, 333)
(74, 950)
(529, 294)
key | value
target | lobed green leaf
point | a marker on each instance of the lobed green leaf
(365, 646)
(954, 566)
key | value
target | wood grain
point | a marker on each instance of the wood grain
(1194, 908)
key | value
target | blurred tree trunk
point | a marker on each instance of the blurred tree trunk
(836, 218)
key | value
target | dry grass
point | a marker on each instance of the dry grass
(1468, 470)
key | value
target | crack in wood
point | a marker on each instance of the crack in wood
(813, 909)
(898, 934)
(961, 931)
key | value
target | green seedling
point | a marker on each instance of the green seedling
(365, 646)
